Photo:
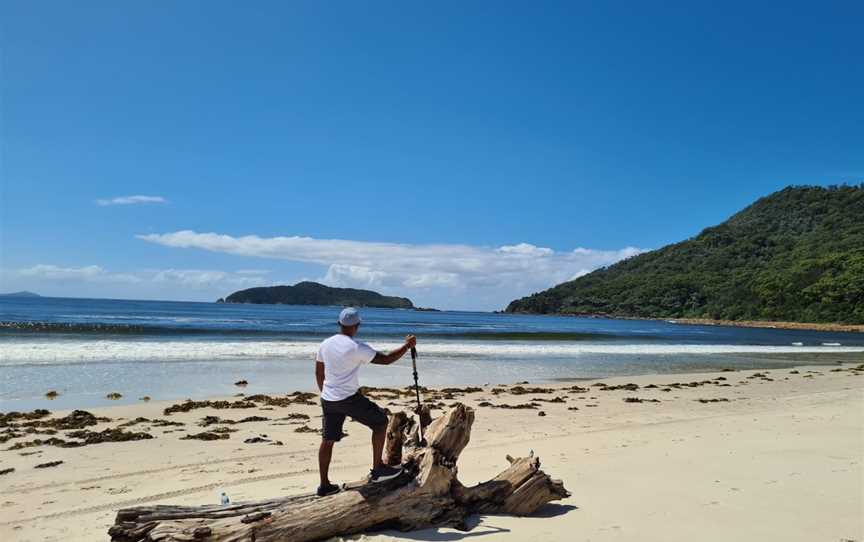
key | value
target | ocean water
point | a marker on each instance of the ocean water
(86, 348)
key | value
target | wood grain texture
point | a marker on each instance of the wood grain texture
(426, 494)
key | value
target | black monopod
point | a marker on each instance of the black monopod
(417, 392)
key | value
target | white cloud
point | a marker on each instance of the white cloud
(357, 276)
(474, 276)
(525, 249)
(131, 200)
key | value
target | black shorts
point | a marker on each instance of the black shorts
(358, 406)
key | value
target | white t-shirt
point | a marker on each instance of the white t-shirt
(342, 357)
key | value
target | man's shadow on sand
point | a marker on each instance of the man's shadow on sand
(480, 526)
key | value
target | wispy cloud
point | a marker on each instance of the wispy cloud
(201, 279)
(207, 278)
(90, 273)
(253, 271)
(130, 200)
(497, 274)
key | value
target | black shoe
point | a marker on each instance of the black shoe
(329, 489)
(384, 473)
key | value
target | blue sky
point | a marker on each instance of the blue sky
(454, 152)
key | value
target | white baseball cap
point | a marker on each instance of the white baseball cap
(349, 317)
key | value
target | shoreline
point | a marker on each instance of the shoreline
(749, 454)
(762, 324)
(842, 328)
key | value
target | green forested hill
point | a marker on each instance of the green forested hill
(312, 293)
(796, 255)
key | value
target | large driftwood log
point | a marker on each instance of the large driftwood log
(426, 494)
(397, 429)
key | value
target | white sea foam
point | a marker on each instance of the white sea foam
(54, 352)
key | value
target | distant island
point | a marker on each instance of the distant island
(313, 293)
(20, 294)
(796, 255)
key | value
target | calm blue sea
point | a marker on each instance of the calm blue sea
(86, 348)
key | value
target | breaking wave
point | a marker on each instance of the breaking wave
(23, 352)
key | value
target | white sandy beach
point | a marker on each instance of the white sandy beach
(781, 460)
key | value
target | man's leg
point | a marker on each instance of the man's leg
(331, 433)
(372, 416)
(325, 452)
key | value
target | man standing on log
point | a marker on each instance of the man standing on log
(336, 368)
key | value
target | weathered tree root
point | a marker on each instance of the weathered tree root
(426, 494)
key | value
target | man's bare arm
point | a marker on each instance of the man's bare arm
(394, 355)
(319, 375)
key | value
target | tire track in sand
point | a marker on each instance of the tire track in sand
(160, 496)
(132, 474)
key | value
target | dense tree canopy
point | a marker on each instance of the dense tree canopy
(795, 255)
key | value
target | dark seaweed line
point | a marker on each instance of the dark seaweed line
(59, 328)
(133, 329)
